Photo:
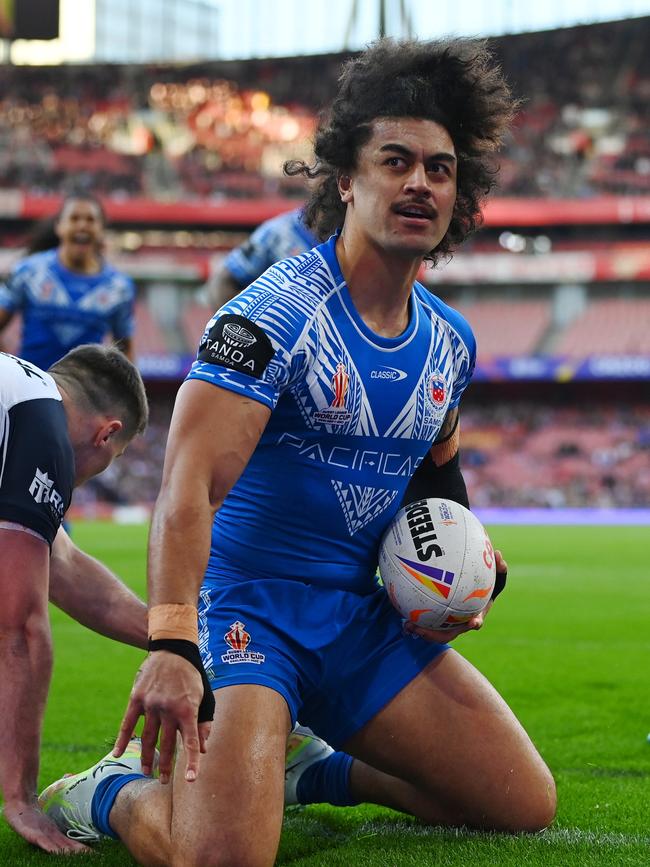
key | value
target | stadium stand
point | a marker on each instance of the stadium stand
(611, 326)
(193, 321)
(505, 327)
(223, 128)
(150, 337)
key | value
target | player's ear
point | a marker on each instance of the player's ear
(107, 431)
(345, 188)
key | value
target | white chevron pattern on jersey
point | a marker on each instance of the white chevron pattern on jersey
(361, 504)
(43, 286)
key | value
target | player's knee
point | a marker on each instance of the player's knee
(537, 810)
(220, 853)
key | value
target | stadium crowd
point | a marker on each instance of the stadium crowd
(223, 129)
(514, 455)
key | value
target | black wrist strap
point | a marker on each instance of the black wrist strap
(189, 651)
(499, 584)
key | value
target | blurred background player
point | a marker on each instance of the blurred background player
(278, 238)
(69, 295)
(57, 429)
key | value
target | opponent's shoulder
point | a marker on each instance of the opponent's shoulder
(21, 381)
(459, 326)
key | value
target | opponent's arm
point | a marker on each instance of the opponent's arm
(90, 593)
(212, 436)
(25, 671)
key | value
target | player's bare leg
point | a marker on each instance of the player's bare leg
(232, 814)
(448, 750)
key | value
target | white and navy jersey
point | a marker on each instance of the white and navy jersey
(62, 309)
(36, 457)
(353, 415)
(279, 238)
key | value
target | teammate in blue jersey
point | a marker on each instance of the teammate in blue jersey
(323, 396)
(278, 238)
(69, 295)
(57, 429)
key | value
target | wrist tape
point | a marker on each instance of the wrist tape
(189, 651)
(174, 620)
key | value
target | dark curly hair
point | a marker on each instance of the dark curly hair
(455, 83)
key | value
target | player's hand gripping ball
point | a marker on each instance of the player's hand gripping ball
(437, 564)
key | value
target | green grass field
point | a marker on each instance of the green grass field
(568, 646)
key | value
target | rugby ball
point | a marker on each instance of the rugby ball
(437, 563)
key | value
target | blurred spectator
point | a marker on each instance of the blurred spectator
(517, 455)
(221, 129)
(69, 295)
(275, 239)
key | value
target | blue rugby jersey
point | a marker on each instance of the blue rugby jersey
(62, 309)
(278, 238)
(353, 416)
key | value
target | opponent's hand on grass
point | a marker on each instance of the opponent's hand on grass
(167, 692)
(444, 636)
(27, 820)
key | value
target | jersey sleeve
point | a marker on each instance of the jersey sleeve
(123, 317)
(36, 466)
(465, 359)
(462, 341)
(254, 344)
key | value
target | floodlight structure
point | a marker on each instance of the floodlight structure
(405, 20)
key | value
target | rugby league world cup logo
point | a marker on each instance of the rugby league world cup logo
(336, 413)
(340, 385)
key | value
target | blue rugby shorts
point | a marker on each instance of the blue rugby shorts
(336, 657)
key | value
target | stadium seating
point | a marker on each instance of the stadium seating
(193, 321)
(507, 327)
(616, 326)
(149, 337)
(211, 131)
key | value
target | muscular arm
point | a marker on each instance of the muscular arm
(439, 474)
(90, 593)
(212, 436)
(25, 660)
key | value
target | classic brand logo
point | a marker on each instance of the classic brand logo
(390, 374)
(238, 640)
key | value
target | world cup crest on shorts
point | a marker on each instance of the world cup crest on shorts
(237, 637)
(238, 640)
